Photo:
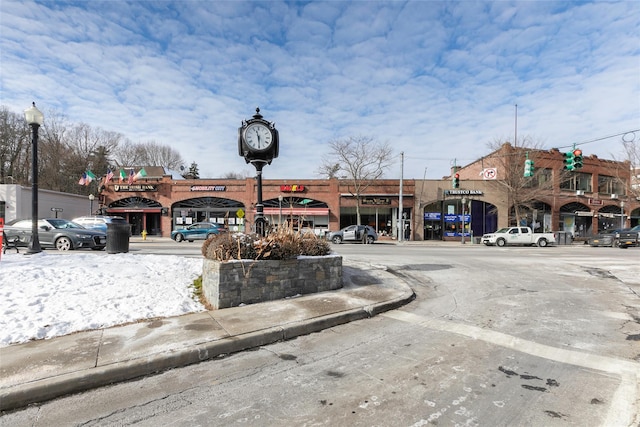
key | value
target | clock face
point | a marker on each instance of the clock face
(258, 136)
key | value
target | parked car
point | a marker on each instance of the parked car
(353, 233)
(606, 238)
(198, 231)
(99, 222)
(629, 237)
(518, 236)
(62, 234)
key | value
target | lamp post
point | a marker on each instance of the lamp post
(464, 203)
(91, 199)
(280, 212)
(35, 119)
(621, 214)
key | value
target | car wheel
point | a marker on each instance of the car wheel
(501, 242)
(63, 244)
(179, 237)
(337, 240)
(370, 240)
(542, 243)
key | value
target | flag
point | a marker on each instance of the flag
(89, 176)
(141, 174)
(123, 175)
(109, 176)
(83, 179)
(131, 175)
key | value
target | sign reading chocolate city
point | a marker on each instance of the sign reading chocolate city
(208, 188)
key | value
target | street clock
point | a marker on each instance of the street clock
(258, 140)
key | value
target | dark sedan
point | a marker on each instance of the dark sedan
(197, 231)
(62, 234)
(606, 238)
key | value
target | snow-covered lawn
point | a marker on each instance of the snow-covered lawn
(51, 294)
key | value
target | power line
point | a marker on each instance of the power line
(605, 137)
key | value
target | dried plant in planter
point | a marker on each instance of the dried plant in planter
(284, 243)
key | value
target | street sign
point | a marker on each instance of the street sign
(489, 173)
(240, 213)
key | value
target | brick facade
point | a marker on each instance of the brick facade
(582, 202)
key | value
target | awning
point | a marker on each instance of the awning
(134, 210)
(297, 211)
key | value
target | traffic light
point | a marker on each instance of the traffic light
(577, 159)
(569, 159)
(528, 168)
(456, 181)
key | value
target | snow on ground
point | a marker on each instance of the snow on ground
(51, 294)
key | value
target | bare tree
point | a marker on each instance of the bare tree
(361, 160)
(632, 151)
(160, 155)
(14, 146)
(522, 192)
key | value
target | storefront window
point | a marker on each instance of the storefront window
(577, 181)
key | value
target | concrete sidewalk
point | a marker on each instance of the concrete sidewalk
(45, 369)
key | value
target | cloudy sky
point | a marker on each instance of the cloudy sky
(437, 80)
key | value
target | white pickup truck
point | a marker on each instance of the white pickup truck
(518, 236)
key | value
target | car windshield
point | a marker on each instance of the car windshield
(502, 230)
(63, 223)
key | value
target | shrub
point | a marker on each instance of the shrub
(284, 243)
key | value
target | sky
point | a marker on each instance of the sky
(49, 294)
(438, 81)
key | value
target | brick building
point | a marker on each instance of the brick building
(493, 193)
(596, 197)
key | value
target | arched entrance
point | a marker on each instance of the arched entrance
(610, 218)
(213, 209)
(576, 219)
(537, 216)
(140, 212)
(299, 212)
(445, 219)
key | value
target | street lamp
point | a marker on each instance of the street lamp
(464, 202)
(280, 212)
(35, 119)
(91, 199)
(621, 214)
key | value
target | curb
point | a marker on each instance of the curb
(47, 389)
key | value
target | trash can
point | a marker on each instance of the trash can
(563, 238)
(118, 238)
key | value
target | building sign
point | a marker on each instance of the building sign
(208, 188)
(135, 187)
(463, 193)
(295, 188)
(596, 202)
(457, 218)
(376, 201)
(432, 216)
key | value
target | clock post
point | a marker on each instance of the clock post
(258, 143)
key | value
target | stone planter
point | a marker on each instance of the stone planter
(229, 284)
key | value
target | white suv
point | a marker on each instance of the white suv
(99, 222)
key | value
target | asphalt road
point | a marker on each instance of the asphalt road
(495, 337)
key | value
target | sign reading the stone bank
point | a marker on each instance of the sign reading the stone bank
(208, 188)
(135, 187)
(463, 193)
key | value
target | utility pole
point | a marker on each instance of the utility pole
(400, 209)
